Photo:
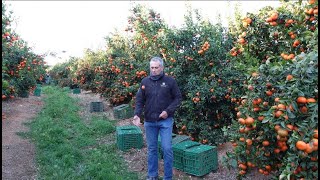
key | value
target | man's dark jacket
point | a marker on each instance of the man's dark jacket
(155, 96)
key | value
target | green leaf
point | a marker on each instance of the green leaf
(265, 120)
(282, 176)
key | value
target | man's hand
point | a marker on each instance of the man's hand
(163, 115)
(136, 121)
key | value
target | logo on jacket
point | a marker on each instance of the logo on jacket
(163, 84)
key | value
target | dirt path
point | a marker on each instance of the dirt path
(18, 153)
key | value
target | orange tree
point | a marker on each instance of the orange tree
(196, 55)
(126, 59)
(87, 68)
(276, 127)
(63, 74)
(21, 68)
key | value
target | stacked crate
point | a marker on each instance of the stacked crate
(200, 160)
(175, 140)
(195, 158)
(129, 137)
(37, 91)
(76, 91)
(123, 111)
(96, 107)
(178, 153)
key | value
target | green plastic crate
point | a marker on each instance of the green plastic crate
(175, 139)
(178, 153)
(37, 91)
(76, 91)
(129, 137)
(123, 111)
(96, 107)
(200, 160)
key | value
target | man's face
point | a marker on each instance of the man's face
(155, 68)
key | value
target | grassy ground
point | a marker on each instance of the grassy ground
(69, 148)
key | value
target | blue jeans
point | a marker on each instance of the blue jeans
(164, 127)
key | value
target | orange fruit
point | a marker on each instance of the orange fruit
(249, 120)
(308, 149)
(266, 173)
(269, 93)
(241, 130)
(278, 114)
(242, 172)
(261, 171)
(290, 126)
(265, 143)
(312, 1)
(291, 56)
(238, 114)
(241, 41)
(276, 150)
(273, 23)
(301, 100)
(311, 100)
(256, 109)
(304, 109)
(277, 127)
(248, 20)
(269, 19)
(314, 159)
(242, 166)
(284, 148)
(281, 106)
(249, 142)
(274, 16)
(268, 167)
(255, 74)
(242, 121)
(282, 132)
(314, 144)
(259, 100)
(301, 145)
(289, 77)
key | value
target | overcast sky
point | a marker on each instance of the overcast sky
(68, 27)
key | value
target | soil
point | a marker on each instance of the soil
(18, 154)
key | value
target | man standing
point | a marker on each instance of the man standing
(159, 96)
